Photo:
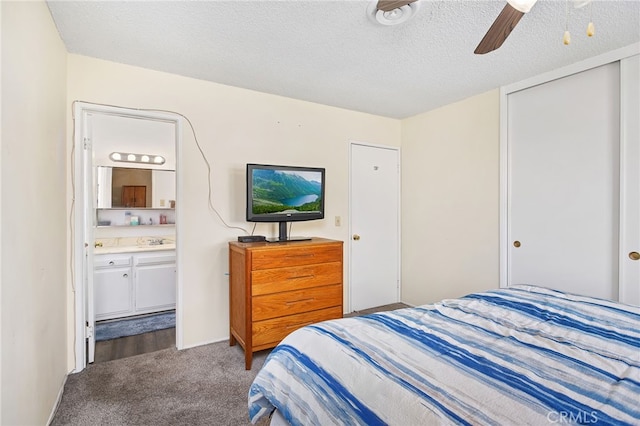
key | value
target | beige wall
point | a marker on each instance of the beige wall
(450, 200)
(450, 244)
(33, 223)
(234, 126)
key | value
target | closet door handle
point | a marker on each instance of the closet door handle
(634, 255)
(125, 275)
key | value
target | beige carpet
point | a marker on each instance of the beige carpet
(206, 385)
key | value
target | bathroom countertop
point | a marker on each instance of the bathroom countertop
(133, 249)
(134, 244)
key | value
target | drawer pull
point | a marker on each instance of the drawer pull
(112, 263)
(300, 277)
(311, 299)
(294, 256)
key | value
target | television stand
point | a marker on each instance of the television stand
(282, 235)
(277, 288)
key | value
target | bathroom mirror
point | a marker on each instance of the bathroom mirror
(123, 187)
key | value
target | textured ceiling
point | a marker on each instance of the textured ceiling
(331, 52)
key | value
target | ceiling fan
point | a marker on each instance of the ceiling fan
(390, 12)
(507, 21)
(503, 25)
(389, 5)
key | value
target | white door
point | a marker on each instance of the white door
(85, 119)
(564, 163)
(88, 225)
(374, 226)
(630, 181)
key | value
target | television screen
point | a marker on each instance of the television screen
(284, 193)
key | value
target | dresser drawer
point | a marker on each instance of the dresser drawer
(272, 331)
(295, 256)
(268, 281)
(294, 302)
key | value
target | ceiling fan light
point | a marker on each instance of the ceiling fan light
(523, 6)
(395, 16)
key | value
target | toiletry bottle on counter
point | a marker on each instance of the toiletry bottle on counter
(163, 219)
(127, 218)
(135, 220)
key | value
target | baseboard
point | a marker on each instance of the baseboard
(207, 342)
(58, 400)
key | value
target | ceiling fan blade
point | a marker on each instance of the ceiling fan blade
(389, 5)
(499, 30)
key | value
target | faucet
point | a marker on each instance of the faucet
(155, 241)
(97, 244)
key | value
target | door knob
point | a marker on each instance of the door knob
(356, 237)
(516, 244)
(634, 255)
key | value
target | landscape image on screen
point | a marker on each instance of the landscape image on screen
(279, 191)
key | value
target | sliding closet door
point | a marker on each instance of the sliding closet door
(630, 180)
(563, 183)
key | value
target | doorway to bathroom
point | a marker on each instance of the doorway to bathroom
(126, 242)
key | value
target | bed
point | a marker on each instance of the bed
(522, 355)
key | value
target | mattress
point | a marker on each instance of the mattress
(522, 355)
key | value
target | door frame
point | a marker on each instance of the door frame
(398, 227)
(626, 291)
(82, 236)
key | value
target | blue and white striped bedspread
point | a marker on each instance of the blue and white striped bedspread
(523, 355)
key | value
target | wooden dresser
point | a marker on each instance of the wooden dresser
(275, 288)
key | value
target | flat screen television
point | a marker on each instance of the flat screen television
(284, 194)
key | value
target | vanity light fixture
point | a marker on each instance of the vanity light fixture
(127, 157)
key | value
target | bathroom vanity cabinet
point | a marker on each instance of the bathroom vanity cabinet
(154, 281)
(112, 286)
(136, 283)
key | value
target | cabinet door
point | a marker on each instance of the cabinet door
(112, 292)
(134, 196)
(155, 287)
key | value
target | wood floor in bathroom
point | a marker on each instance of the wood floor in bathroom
(124, 347)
